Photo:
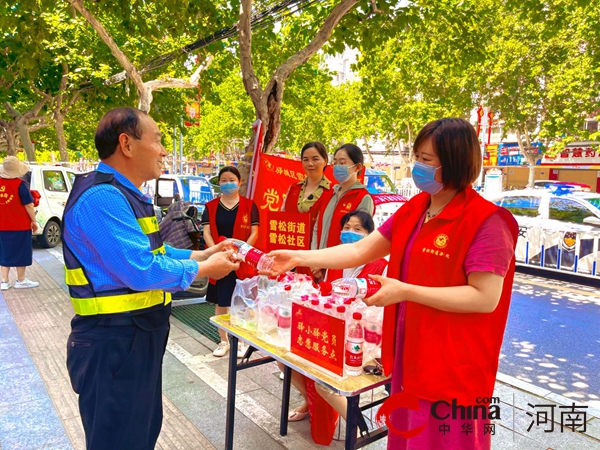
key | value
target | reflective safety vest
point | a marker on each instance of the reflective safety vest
(86, 300)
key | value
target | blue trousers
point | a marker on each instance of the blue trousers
(117, 372)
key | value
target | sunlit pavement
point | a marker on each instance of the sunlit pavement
(35, 324)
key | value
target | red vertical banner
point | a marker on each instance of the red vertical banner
(274, 177)
(257, 127)
(489, 130)
(318, 338)
(479, 117)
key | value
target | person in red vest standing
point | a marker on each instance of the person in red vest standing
(17, 222)
(308, 195)
(446, 295)
(349, 195)
(230, 216)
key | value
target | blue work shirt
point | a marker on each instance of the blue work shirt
(105, 236)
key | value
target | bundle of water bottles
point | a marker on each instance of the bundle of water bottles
(264, 305)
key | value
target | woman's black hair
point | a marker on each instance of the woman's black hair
(318, 146)
(354, 153)
(365, 220)
(231, 169)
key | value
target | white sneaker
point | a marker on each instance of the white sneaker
(4, 286)
(26, 284)
(281, 376)
(222, 349)
(241, 350)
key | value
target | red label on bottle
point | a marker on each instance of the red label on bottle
(372, 337)
(354, 354)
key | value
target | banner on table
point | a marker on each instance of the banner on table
(287, 231)
(318, 338)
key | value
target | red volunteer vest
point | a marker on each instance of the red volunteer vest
(446, 355)
(13, 215)
(349, 202)
(291, 205)
(241, 229)
(291, 202)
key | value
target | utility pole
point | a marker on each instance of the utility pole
(174, 150)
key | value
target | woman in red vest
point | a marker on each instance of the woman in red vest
(308, 195)
(446, 296)
(230, 216)
(17, 221)
(349, 195)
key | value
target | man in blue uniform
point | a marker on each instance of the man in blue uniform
(120, 275)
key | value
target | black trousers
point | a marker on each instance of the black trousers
(117, 372)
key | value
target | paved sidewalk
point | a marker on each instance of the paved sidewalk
(38, 408)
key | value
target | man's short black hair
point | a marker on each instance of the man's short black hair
(114, 123)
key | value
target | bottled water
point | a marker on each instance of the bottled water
(355, 287)
(353, 357)
(253, 256)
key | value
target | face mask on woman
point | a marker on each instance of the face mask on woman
(229, 188)
(340, 172)
(350, 237)
(424, 177)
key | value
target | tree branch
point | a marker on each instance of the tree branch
(251, 81)
(112, 45)
(300, 57)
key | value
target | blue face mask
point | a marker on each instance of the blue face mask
(340, 172)
(229, 188)
(350, 237)
(423, 176)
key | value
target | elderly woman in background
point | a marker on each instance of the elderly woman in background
(17, 221)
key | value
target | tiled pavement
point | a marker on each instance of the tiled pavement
(38, 409)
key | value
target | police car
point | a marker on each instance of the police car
(559, 228)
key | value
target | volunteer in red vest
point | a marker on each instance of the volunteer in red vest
(355, 226)
(308, 195)
(349, 195)
(447, 292)
(17, 222)
(230, 216)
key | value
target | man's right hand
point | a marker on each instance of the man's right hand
(218, 265)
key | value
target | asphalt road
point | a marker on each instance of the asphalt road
(552, 338)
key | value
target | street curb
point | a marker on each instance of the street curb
(544, 393)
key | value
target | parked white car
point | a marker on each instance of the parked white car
(53, 184)
(559, 228)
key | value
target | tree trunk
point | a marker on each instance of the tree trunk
(9, 136)
(26, 140)
(366, 139)
(59, 120)
(145, 99)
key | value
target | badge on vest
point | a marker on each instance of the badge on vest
(441, 240)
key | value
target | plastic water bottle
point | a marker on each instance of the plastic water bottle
(355, 287)
(315, 304)
(328, 309)
(353, 357)
(253, 256)
(341, 312)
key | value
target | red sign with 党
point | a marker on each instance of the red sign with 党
(318, 338)
(287, 231)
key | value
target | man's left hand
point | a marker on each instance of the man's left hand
(203, 255)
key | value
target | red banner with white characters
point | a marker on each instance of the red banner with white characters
(380, 199)
(287, 231)
(318, 338)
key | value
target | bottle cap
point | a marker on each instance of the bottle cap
(325, 287)
(341, 309)
(347, 301)
(314, 302)
(357, 316)
(328, 306)
(288, 287)
(304, 298)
